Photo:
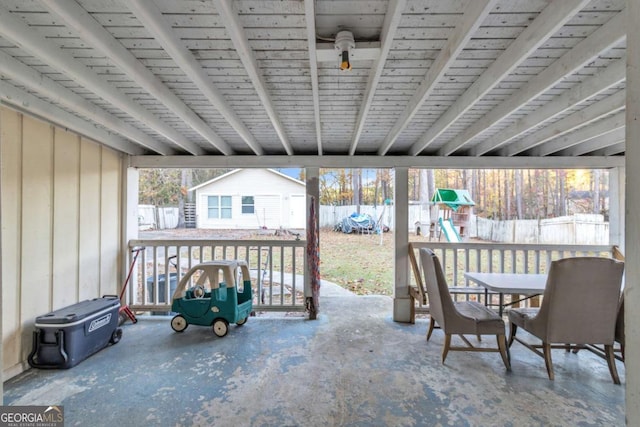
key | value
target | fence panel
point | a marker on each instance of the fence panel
(583, 229)
(167, 218)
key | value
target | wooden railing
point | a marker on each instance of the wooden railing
(456, 259)
(277, 270)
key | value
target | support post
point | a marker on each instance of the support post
(402, 303)
(616, 206)
(130, 178)
(1, 286)
(632, 217)
(313, 196)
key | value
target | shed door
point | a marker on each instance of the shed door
(297, 216)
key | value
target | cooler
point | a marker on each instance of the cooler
(65, 337)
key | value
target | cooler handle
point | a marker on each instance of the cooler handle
(36, 343)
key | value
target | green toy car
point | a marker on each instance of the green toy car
(208, 296)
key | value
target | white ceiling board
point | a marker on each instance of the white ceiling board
(276, 35)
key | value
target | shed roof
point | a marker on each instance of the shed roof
(235, 171)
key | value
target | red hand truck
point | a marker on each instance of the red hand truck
(125, 312)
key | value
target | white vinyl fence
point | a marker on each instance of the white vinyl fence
(332, 215)
(157, 218)
(579, 229)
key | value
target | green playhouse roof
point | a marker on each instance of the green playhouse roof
(452, 198)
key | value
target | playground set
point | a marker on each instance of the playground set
(450, 214)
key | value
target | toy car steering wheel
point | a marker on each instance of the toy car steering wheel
(198, 291)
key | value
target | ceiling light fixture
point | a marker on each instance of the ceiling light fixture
(344, 43)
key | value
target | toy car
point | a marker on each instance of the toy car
(208, 296)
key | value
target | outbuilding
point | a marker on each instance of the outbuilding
(251, 198)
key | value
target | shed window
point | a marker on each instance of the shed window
(248, 206)
(219, 207)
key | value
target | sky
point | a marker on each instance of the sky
(292, 172)
(368, 175)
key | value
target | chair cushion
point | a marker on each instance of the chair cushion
(485, 320)
(519, 316)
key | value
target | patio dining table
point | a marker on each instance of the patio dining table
(529, 285)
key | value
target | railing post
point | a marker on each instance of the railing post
(313, 196)
(616, 206)
(632, 209)
(403, 307)
(129, 197)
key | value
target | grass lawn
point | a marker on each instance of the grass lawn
(360, 263)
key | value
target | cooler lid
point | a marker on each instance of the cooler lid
(78, 311)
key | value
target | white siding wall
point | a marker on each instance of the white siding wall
(60, 226)
(269, 210)
(271, 194)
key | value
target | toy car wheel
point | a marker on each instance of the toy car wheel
(242, 321)
(115, 336)
(179, 323)
(220, 327)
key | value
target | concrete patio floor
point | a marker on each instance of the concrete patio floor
(352, 367)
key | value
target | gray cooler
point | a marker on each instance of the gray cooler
(65, 337)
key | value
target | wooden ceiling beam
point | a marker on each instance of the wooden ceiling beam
(364, 51)
(594, 144)
(547, 23)
(98, 37)
(613, 150)
(374, 161)
(60, 95)
(585, 133)
(241, 44)
(592, 113)
(310, 18)
(148, 13)
(22, 35)
(603, 80)
(474, 14)
(391, 22)
(26, 103)
(605, 37)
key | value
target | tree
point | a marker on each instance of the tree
(165, 187)
(596, 192)
(518, 196)
(357, 188)
(159, 187)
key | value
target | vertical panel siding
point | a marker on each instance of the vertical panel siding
(61, 223)
(37, 197)
(109, 222)
(90, 167)
(11, 146)
(66, 192)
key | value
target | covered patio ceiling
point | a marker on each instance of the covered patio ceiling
(431, 79)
